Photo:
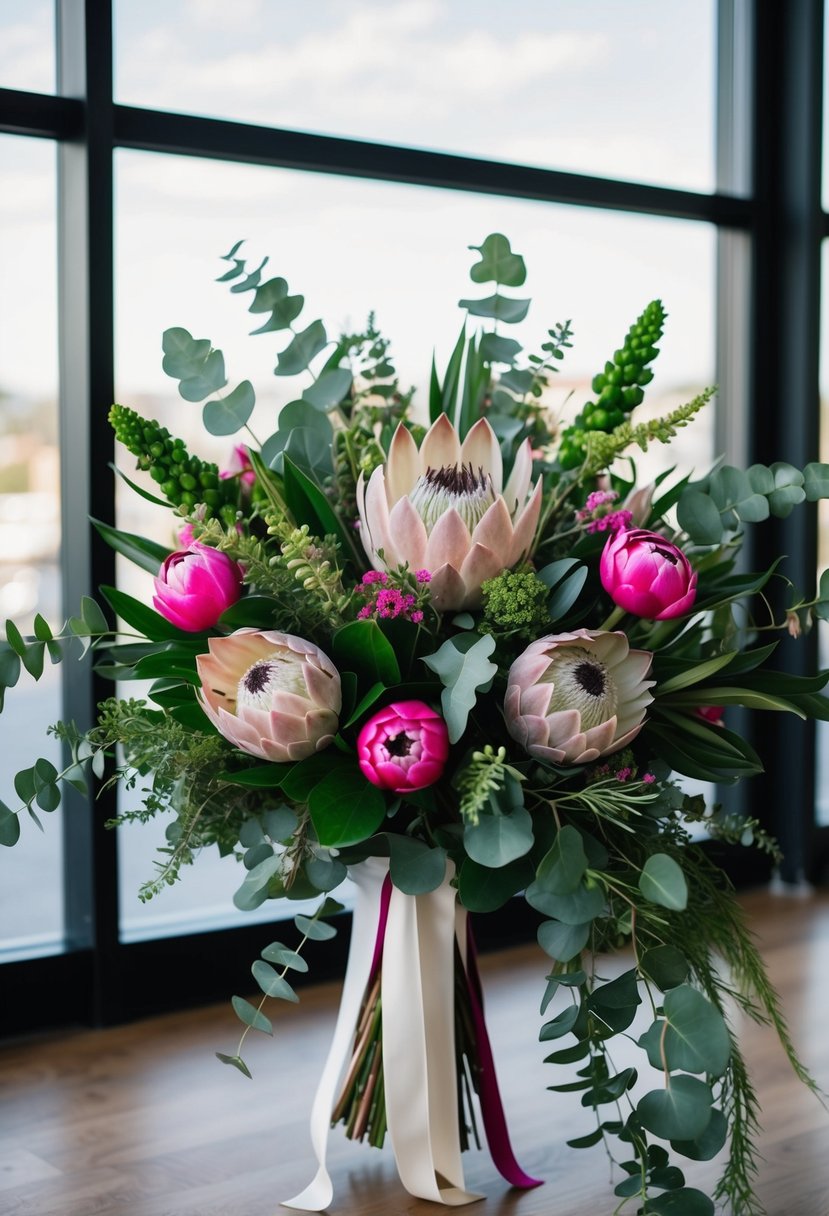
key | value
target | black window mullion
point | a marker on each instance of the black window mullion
(788, 88)
(85, 287)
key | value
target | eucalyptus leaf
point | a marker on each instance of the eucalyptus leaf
(281, 956)
(315, 930)
(415, 867)
(563, 942)
(301, 350)
(251, 1016)
(227, 415)
(681, 1111)
(236, 1062)
(329, 390)
(462, 672)
(496, 840)
(9, 826)
(560, 1025)
(498, 264)
(272, 983)
(709, 1143)
(345, 808)
(697, 514)
(498, 308)
(663, 883)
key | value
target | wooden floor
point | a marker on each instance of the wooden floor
(143, 1121)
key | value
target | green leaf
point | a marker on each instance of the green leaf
(144, 553)
(271, 983)
(183, 354)
(663, 883)
(362, 646)
(250, 1015)
(345, 809)
(697, 515)
(261, 776)
(139, 490)
(33, 658)
(731, 490)
(665, 966)
(227, 415)
(254, 889)
(325, 873)
(9, 666)
(498, 264)
(149, 623)
(283, 957)
(365, 703)
(309, 505)
(462, 672)
(236, 1062)
(43, 632)
(788, 489)
(574, 908)
(496, 840)
(563, 942)
(816, 481)
(685, 1202)
(498, 307)
(681, 1111)
(414, 866)
(9, 826)
(695, 674)
(268, 294)
(301, 350)
(560, 1025)
(570, 1055)
(208, 379)
(315, 930)
(709, 1143)
(482, 889)
(494, 348)
(283, 314)
(696, 1038)
(563, 867)
(330, 389)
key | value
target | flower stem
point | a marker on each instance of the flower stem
(613, 620)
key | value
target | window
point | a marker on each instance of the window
(585, 132)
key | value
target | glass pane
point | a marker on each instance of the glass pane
(27, 45)
(407, 258)
(31, 899)
(617, 90)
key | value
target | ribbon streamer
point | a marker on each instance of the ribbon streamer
(417, 992)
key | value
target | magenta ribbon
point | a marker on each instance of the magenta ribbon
(495, 1121)
(492, 1109)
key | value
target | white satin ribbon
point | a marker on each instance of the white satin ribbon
(368, 877)
(417, 989)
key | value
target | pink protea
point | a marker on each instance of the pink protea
(195, 585)
(443, 506)
(647, 575)
(404, 747)
(270, 694)
(573, 697)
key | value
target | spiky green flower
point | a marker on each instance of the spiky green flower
(184, 480)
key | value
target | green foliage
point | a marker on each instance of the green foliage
(463, 665)
(515, 603)
(484, 773)
(718, 504)
(602, 448)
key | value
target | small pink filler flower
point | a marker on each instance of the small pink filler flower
(194, 587)
(645, 574)
(403, 747)
(239, 465)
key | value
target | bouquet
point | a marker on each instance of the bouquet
(459, 661)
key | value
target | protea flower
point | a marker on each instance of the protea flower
(403, 747)
(270, 694)
(444, 508)
(572, 697)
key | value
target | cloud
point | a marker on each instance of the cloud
(27, 58)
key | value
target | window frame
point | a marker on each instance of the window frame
(769, 101)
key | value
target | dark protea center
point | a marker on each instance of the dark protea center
(581, 681)
(460, 486)
(279, 672)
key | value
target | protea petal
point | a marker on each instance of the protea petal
(482, 450)
(480, 564)
(447, 589)
(375, 522)
(409, 532)
(440, 446)
(403, 465)
(449, 542)
(518, 482)
(525, 527)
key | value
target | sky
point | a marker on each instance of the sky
(622, 89)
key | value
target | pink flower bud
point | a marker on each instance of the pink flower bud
(194, 587)
(645, 574)
(712, 714)
(239, 466)
(403, 747)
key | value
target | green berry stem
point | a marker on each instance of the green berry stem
(184, 480)
(619, 388)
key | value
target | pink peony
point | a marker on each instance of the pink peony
(573, 697)
(271, 694)
(645, 574)
(239, 466)
(403, 747)
(194, 587)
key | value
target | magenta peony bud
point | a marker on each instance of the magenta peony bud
(404, 747)
(194, 587)
(271, 694)
(645, 574)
